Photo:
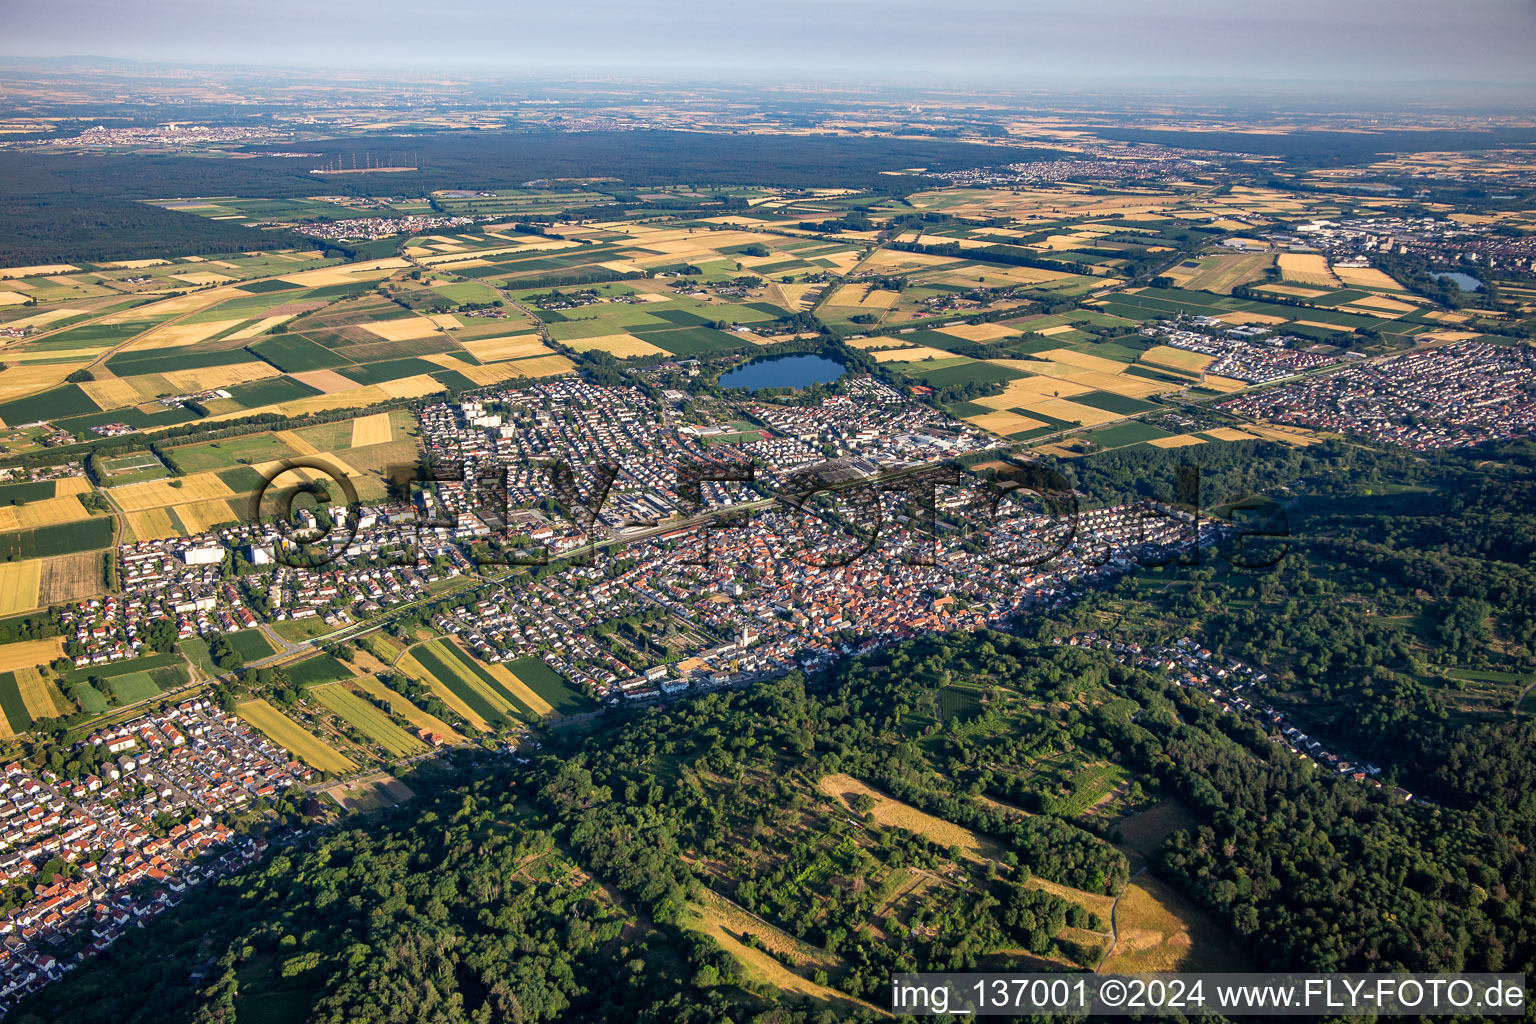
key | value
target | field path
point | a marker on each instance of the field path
(1114, 924)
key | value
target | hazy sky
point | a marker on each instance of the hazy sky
(1337, 40)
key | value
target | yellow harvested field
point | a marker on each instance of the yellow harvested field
(373, 429)
(1381, 302)
(67, 485)
(1289, 435)
(36, 694)
(30, 653)
(980, 332)
(1083, 359)
(406, 710)
(1306, 268)
(1240, 317)
(620, 346)
(1366, 277)
(1056, 329)
(1092, 380)
(294, 738)
(1023, 393)
(990, 275)
(862, 296)
(23, 380)
(1004, 423)
(407, 329)
(492, 373)
(1072, 412)
(410, 387)
(38, 270)
(327, 382)
(112, 393)
(1178, 358)
(351, 273)
(12, 298)
(543, 366)
(889, 811)
(1177, 441)
(18, 586)
(911, 354)
(153, 524)
(1223, 384)
(1230, 434)
(513, 346)
(181, 335)
(160, 493)
(878, 341)
(45, 512)
(890, 259)
(201, 516)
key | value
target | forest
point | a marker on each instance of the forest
(68, 227)
(569, 888)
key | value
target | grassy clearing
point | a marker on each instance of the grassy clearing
(726, 923)
(1158, 930)
(892, 813)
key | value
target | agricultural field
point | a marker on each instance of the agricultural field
(371, 722)
(298, 741)
(488, 697)
(402, 707)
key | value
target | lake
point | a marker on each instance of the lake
(784, 372)
(1466, 282)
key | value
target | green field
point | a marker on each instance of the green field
(551, 686)
(294, 354)
(60, 402)
(199, 458)
(59, 539)
(1126, 433)
(21, 493)
(485, 700)
(15, 708)
(250, 644)
(322, 668)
